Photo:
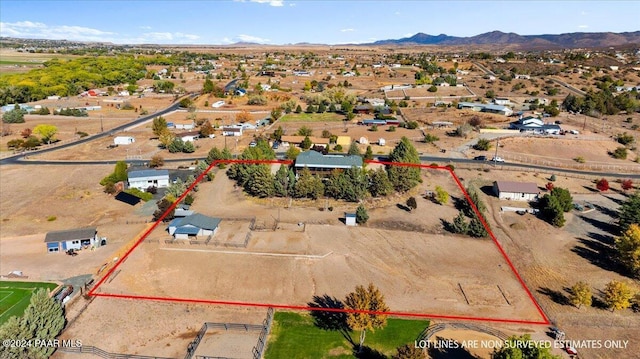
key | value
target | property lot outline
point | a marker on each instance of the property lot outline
(97, 293)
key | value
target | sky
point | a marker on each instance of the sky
(281, 22)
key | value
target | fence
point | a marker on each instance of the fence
(480, 167)
(88, 349)
(257, 350)
(433, 329)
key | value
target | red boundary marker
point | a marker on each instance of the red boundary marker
(544, 321)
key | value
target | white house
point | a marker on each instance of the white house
(516, 191)
(502, 101)
(190, 136)
(148, 178)
(195, 225)
(123, 140)
(184, 125)
(232, 131)
(71, 239)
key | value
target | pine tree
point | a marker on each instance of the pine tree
(43, 319)
(282, 182)
(379, 183)
(260, 183)
(368, 155)
(460, 225)
(629, 212)
(404, 178)
(354, 149)
(476, 228)
(306, 143)
(361, 215)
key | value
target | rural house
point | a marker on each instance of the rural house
(190, 136)
(235, 131)
(195, 225)
(184, 124)
(297, 140)
(71, 239)
(148, 178)
(321, 164)
(123, 140)
(517, 191)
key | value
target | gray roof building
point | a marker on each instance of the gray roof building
(313, 159)
(196, 220)
(148, 173)
(71, 235)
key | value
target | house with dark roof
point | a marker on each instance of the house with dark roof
(195, 225)
(516, 191)
(57, 241)
(535, 125)
(148, 178)
(321, 164)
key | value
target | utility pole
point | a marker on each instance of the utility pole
(495, 156)
(101, 125)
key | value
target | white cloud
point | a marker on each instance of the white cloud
(38, 30)
(397, 13)
(250, 38)
(583, 26)
(347, 30)
(145, 27)
(276, 3)
(292, 4)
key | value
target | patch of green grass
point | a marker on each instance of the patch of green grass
(51, 218)
(312, 117)
(15, 297)
(145, 196)
(293, 335)
(15, 62)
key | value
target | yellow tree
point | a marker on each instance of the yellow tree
(367, 305)
(628, 247)
(243, 116)
(581, 294)
(617, 295)
(46, 131)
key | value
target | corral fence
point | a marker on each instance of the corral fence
(258, 349)
(209, 241)
(433, 329)
(88, 349)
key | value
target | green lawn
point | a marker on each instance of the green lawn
(312, 117)
(293, 335)
(15, 297)
(12, 62)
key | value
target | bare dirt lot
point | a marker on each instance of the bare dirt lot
(289, 266)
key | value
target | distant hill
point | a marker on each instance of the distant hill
(569, 40)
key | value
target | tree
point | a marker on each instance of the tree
(620, 153)
(208, 86)
(26, 133)
(278, 133)
(404, 177)
(602, 185)
(42, 320)
(304, 131)
(522, 347)
(442, 197)
(412, 203)
(46, 131)
(292, 153)
(206, 129)
(260, 183)
(581, 295)
(628, 248)
(476, 228)
(163, 206)
(284, 181)
(483, 144)
(552, 210)
(298, 109)
(159, 126)
(369, 304)
(361, 215)
(354, 149)
(629, 212)
(463, 130)
(308, 185)
(166, 139)
(156, 161)
(177, 145)
(627, 184)
(14, 116)
(275, 114)
(549, 186)
(368, 155)
(617, 295)
(188, 147)
(243, 116)
(408, 352)
(306, 143)
(460, 225)
(379, 184)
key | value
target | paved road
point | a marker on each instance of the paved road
(17, 158)
(568, 87)
(483, 68)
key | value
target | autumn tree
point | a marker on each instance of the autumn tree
(46, 131)
(617, 295)
(206, 129)
(549, 186)
(627, 184)
(442, 197)
(581, 295)
(628, 248)
(156, 161)
(26, 133)
(243, 116)
(602, 185)
(292, 153)
(404, 177)
(159, 126)
(366, 306)
(163, 206)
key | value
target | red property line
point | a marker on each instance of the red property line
(545, 320)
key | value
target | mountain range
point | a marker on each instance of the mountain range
(568, 40)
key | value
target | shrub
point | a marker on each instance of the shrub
(257, 100)
(429, 138)
(82, 134)
(625, 138)
(337, 148)
(579, 159)
(620, 153)
(51, 218)
(483, 144)
(602, 185)
(391, 129)
(373, 128)
(145, 196)
(412, 203)
(188, 200)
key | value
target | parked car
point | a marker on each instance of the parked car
(275, 145)
(574, 132)
(480, 158)
(497, 159)
(253, 144)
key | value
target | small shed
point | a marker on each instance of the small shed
(363, 141)
(64, 240)
(123, 140)
(516, 191)
(350, 219)
(382, 142)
